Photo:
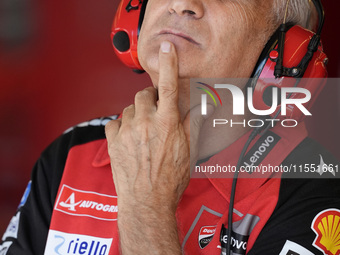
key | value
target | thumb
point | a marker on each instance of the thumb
(194, 121)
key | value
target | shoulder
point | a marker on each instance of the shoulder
(53, 158)
(28, 229)
(86, 131)
(308, 196)
(310, 152)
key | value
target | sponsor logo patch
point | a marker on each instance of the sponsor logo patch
(326, 226)
(238, 242)
(13, 227)
(62, 243)
(26, 193)
(86, 203)
(291, 248)
(205, 236)
(324, 168)
(239, 235)
(260, 149)
(4, 247)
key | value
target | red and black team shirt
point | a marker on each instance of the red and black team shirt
(70, 204)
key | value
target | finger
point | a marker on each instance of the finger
(194, 121)
(128, 114)
(111, 129)
(168, 78)
(145, 101)
(192, 124)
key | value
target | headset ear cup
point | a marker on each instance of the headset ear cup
(125, 31)
(264, 56)
(295, 48)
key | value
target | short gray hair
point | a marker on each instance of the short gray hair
(300, 12)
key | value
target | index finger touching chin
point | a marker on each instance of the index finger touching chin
(168, 78)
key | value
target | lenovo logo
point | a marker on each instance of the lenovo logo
(85, 203)
(260, 150)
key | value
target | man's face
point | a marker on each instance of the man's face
(213, 38)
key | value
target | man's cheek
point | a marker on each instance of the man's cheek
(148, 57)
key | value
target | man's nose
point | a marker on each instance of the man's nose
(192, 8)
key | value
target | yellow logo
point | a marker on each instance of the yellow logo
(326, 226)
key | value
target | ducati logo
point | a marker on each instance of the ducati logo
(326, 226)
(205, 236)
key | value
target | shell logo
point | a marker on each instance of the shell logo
(326, 226)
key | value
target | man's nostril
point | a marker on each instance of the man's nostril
(189, 12)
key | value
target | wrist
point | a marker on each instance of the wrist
(147, 227)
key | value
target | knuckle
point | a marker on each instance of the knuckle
(167, 124)
(111, 126)
(144, 95)
(141, 128)
(128, 110)
(140, 95)
(168, 90)
(125, 132)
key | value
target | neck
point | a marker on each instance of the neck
(215, 139)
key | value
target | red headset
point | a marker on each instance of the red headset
(125, 30)
(266, 75)
(292, 53)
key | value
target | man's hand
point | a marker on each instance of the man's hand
(150, 161)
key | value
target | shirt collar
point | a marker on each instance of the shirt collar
(289, 139)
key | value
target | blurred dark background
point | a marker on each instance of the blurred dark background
(57, 69)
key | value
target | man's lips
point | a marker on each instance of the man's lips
(179, 34)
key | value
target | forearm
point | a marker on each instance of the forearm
(148, 230)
